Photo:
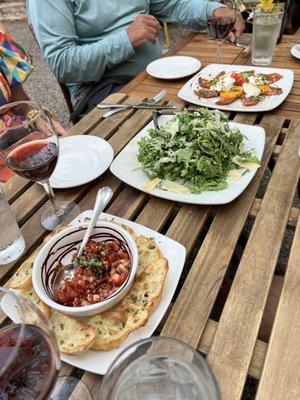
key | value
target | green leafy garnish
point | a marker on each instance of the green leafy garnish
(199, 155)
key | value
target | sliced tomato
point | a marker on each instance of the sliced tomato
(250, 101)
(271, 78)
(204, 83)
(239, 80)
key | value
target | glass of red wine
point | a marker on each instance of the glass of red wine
(220, 23)
(29, 145)
(29, 356)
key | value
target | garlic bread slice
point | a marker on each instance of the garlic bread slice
(30, 294)
(73, 336)
(148, 252)
(110, 327)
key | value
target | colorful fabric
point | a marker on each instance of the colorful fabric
(15, 66)
(14, 61)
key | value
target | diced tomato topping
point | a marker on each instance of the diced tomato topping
(103, 268)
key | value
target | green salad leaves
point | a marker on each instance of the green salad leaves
(196, 149)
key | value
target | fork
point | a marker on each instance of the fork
(152, 101)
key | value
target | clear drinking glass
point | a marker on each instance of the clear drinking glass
(29, 356)
(159, 368)
(266, 28)
(12, 243)
(29, 145)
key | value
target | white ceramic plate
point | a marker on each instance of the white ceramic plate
(269, 103)
(99, 361)
(81, 159)
(174, 67)
(127, 168)
(295, 51)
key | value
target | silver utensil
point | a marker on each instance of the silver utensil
(68, 271)
(159, 96)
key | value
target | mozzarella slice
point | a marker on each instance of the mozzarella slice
(173, 127)
(251, 90)
(250, 165)
(235, 174)
(151, 185)
(174, 187)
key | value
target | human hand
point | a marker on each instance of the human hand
(239, 25)
(143, 29)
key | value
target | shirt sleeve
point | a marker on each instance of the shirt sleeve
(185, 12)
(72, 62)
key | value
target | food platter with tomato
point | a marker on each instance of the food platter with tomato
(238, 87)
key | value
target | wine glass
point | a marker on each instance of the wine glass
(159, 368)
(220, 22)
(29, 146)
(29, 356)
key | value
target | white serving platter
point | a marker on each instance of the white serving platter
(98, 362)
(127, 168)
(269, 103)
(174, 67)
(81, 159)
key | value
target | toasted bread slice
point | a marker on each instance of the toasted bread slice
(148, 252)
(22, 278)
(111, 328)
(73, 336)
(148, 287)
(30, 294)
(126, 227)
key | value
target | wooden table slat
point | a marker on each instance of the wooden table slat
(280, 377)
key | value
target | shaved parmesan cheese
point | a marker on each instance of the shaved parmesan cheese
(151, 185)
(174, 187)
(236, 174)
(250, 165)
(173, 127)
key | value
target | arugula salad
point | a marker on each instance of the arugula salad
(194, 152)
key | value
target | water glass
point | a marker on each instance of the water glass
(12, 243)
(159, 368)
(266, 28)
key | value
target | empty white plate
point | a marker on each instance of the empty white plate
(81, 159)
(296, 51)
(173, 67)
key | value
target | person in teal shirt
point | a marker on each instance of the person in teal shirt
(96, 46)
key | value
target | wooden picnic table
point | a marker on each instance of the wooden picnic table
(238, 243)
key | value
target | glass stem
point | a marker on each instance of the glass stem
(219, 48)
(57, 210)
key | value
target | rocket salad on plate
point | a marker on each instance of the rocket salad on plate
(194, 152)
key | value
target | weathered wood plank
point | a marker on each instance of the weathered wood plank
(280, 377)
(238, 327)
(293, 215)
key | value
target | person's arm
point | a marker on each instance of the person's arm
(183, 11)
(71, 62)
(193, 13)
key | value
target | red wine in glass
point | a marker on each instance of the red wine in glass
(32, 371)
(220, 27)
(34, 160)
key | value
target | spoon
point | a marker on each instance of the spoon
(68, 271)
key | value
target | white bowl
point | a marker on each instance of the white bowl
(61, 247)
